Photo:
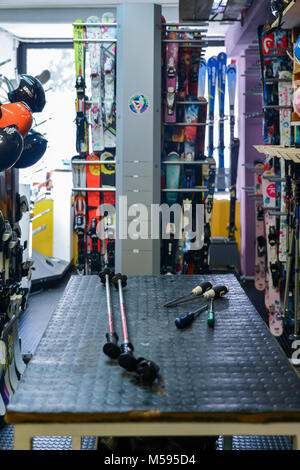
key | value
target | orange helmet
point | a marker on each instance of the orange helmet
(17, 114)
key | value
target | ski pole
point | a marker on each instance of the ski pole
(146, 369)
(185, 320)
(215, 292)
(198, 290)
(126, 358)
(111, 347)
(211, 314)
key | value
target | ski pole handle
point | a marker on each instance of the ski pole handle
(185, 320)
(216, 292)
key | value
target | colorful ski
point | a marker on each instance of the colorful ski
(260, 240)
(269, 200)
(171, 79)
(81, 124)
(108, 176)
(93, 203)
(96, 118)
(222, 62)
(109, 72)
(285, 92)
(212, 70)
(170, 245)
(203, 108)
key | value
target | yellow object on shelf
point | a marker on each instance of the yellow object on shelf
(43, 240)
(221, 217)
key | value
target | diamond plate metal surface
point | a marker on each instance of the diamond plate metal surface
(258, 443)
(45, 443)
(235, 368)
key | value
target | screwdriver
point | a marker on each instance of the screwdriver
(185, 320)
(214, 293)
(198, 290)
(211, 315)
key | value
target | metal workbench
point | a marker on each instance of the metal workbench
(230, 380)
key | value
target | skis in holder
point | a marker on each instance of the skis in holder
(260, 240)
(94, 48)
(222, 62)
(212, 71)
(269, 199)
(234, 150)
(109, 65)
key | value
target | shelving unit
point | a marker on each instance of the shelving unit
(288, 153)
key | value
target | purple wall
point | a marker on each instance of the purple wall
(249, 131)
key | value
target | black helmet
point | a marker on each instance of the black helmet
(31, 92)
(277, 7)
(35, 146)
(11, 146)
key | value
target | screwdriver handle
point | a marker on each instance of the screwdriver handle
(185, 320)
(211, 315)
(216, 292)
(203, 287)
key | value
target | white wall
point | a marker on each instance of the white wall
(8, 51)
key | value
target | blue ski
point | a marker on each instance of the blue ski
(222, 62)
(212, 69)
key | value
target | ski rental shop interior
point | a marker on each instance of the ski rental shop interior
(149, 227)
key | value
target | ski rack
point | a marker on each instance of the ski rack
(184, 162)
(200, 189)
(288, 153)
(94, 162)
(95, 40)
(110, 189)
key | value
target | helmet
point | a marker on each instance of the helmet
(31, 91)
(277, 7)
(11, 146)
(35, 146)
(17, 114)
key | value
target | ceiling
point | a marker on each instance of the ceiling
(49, 19)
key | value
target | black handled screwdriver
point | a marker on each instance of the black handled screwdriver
(198, 290)
(213, 293)
(185, 320)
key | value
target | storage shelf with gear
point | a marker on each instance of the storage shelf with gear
(149, 228)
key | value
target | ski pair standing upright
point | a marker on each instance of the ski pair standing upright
(99, 40)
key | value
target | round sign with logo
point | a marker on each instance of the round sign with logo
(138, 104)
